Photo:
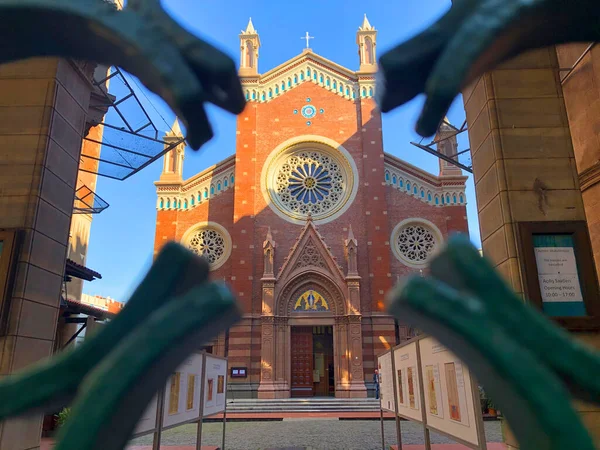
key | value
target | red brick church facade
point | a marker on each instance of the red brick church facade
(310, 223)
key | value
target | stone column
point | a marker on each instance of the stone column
(43, 107)
(342, 388)
(282, 351)
(523, 162)
(355, 342)
(267, 362)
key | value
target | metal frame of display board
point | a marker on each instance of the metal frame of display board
(426, 427)
(396, 415)
(158, 428)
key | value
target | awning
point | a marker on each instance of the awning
(78, 271)
(73, 307)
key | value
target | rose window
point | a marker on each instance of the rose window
(208, 243)
(310, 182)
(415, 243)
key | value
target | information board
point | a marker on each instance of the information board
(448, 392)
(147, 422)
(182, 393)
(408, 396)
(386, 380)
(215, 388)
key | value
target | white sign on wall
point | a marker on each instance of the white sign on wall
(557, 273)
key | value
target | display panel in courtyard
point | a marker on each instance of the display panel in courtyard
(386, 380)
(407, 382)
(182, 393)
(448, 392)
(215, 388)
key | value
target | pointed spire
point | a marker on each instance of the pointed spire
(250, 28)
(269, 235)
(350, 234)
(366, 26)
(176, 128)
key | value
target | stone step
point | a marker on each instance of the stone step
(302, 405)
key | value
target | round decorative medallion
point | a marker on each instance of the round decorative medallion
(414, 240)
(309, 178)
(309, 111)
(209, 240)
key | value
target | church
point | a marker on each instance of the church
(310, 223)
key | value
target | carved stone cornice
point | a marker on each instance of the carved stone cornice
(589, 177)
(268, 320)
(355, 318)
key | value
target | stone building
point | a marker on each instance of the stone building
(310, 223)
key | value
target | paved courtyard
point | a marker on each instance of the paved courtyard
(325, 434)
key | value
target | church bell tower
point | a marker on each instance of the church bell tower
(366, 38)
(249, 45)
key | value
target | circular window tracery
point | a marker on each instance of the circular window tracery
(210, 241)
(310, 182)
(414, 241)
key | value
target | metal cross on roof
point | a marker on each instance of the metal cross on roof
(307, 37)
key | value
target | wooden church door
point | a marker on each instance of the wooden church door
(302, 361)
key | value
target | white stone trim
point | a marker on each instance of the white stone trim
(324, 144)
(398, 179)
(221, 230)
(439, 240)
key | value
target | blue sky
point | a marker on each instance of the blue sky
(122, 236)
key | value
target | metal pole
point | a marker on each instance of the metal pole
(160, 406)
(224, 421)
(397, 418)
(381, 421)
(422, 389)
(201, 405)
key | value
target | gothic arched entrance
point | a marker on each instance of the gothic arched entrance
(311, 337)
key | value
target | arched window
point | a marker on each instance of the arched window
(400, 182)
(301, 76)
(231, 179)
(448, 198)
(262, 97)
(185, 204)
(249, 54)
(314, 75)
(429, 196)
(341, 88)
(168, 204)
(334, 84)
(454, 198)
(364, 92)
(192, 201)
(205, 193)
(289, 83)
(276, 90)
(162, 203)
(308, 72)
(370, 92)
(225, 182)
(368, 51)
(218, 187)
(320, 78)
(295, 79)
(212, 190)
(422, 193)
(247, 95)
(387, 176)
(462, 200)
(408, 186)
(179, 204)
(283, 85)
(414, 190)
(253, 95)
(437, 200)
(270, 93)
(394, 179)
